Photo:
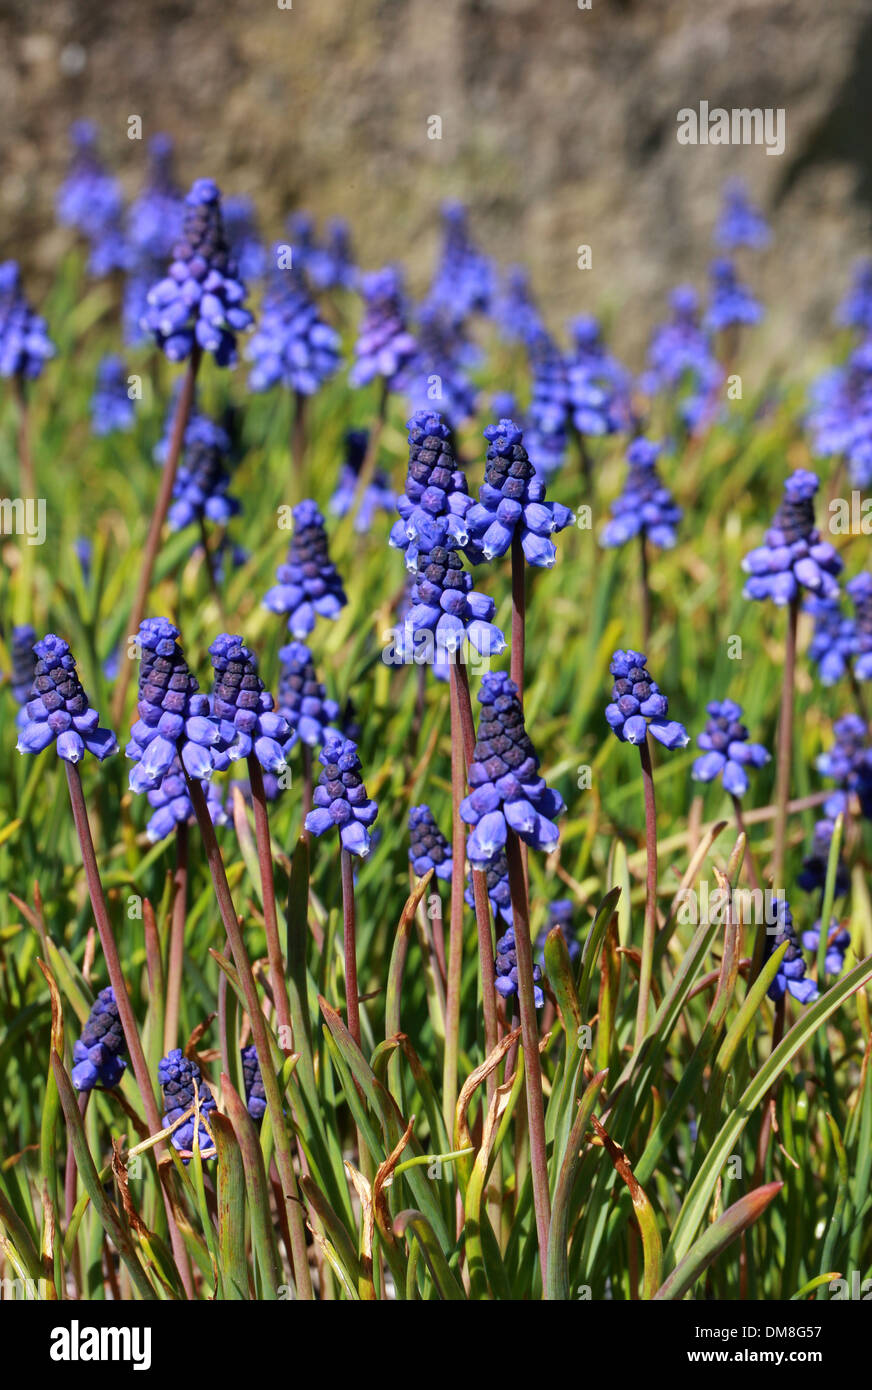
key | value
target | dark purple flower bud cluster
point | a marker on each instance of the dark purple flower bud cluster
(790, 977)
(340, 798)
(255, 1097)
(112, 408)
(507, 791)
(740, 224)
(302, 698)
(377, 496)
(730, 303)
(25, 346)
(173, 719)
(639, 706)
(97, 1053)
(58, 710)
(384, 344)
(727, 751)
(241, 702)
(434, 506)
(506, 968)
(646, 506)
(428, 847)
(793, 556)
(308, 585)
(172, 805)
(512, 501)
(292, 346)
(201, 299)
(181, 1082)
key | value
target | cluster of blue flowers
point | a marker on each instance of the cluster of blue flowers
(112, 407)
(514, 309)
(740, 224)
(512, 501)
(243, 709)
(246, 247)
(840, 420)
(91, 202)
(23, 662)
(506, 970)
(308, 585)
(292, 345)
(638, 706)
(681, 356)
(182, 1083)
(340, 798)
(203, 477)
(548, 415)
(174, 721)
(444, 604)
(302, 699)
(384, 346)
(255, 1097)
(848, 763)
(790, 977)
(434, 506)
(598, 386)
(464, 279)
(58, 710)
(731, 303)
(438, 371)
(561, 913)
(25, 346)
(793, 557)
(855, 311)
(507, 791)
(428, 847)
(496, 873)
(201, 299)
(332, 265)
(645, 507)
(97, 1053)
(727, 753)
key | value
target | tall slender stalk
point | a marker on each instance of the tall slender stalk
(298, 432)
(455, 921)
(122, 999)
(530, 1040)
(645, 591)
(349, 936)
(25, 455)
(784, 747)
(268, 897)
(272, 1092)
(158, 517)
(650, 927)
(176, 952)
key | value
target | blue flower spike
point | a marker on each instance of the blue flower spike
(727, 753)
(638, 706)
(58, 710)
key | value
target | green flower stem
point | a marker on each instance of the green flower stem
(650, 927)
(268, 898)
(158, 517)
(349, 934)
(785, 748)
(122, 999)
(530, 1041)
(455, 922)
(272, 1090)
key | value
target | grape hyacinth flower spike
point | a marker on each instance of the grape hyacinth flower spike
(243, 709)
(509, 801)
(792, 558)
(255, 1100)
(341, 803)
(183, 1086)
(302, 698)
(496, 873)
(740, 223)
(645, 510)
(790, 977)
(637, 707)
(834, 641)
(112, 408)
(506, 970)
(23, 664)
(97, 1056)
(58, 710)
(428, 847)
(727, 753)
(384, 344)
(434, 506)
(512, 502)
(308, 585)
(25, 347)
